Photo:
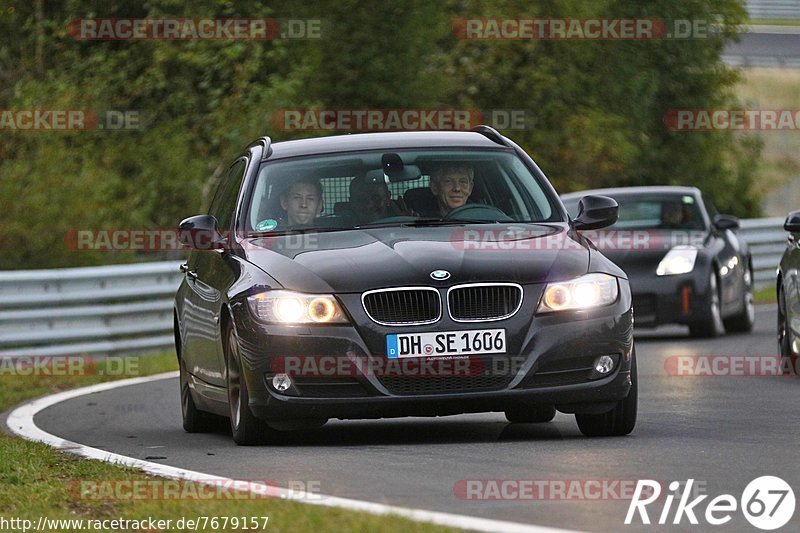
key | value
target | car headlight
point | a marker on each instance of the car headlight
(679, 260)
(288, 307)
(585, 292)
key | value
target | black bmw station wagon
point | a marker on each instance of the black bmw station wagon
(399, 274)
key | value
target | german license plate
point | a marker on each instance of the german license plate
(476, 341)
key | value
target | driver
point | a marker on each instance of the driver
(672, 214)
(302, 201)
(451, 185)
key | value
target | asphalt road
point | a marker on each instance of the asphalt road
(721, 431)
(773, 47)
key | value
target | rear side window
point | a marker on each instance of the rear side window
(224, 203)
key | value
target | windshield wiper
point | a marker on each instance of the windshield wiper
(418, 223)
(426, 222)
(454, 221)
(293, 231)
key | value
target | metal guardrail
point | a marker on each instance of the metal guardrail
(128, 308)
(93, 311)
(773, 9)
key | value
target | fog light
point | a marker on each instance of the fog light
(604, 364)
(281, 382)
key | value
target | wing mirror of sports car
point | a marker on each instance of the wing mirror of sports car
(792, 224)
(200, 232)
(724, 222)
(595, 212)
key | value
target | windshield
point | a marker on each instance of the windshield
(663, 211)
(405, 187)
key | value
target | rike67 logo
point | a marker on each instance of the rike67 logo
(767, 502)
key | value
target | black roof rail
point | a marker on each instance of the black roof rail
(491, 134)
(266, 142)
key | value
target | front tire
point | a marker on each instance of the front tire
(246, 429)
(620, 420)
(194, 420)
(710, 324)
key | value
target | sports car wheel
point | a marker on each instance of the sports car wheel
(710, 325)
(744, 321)
(618, 421)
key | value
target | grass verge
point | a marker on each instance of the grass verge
(774, 22)
(767, 295)
(37, 481)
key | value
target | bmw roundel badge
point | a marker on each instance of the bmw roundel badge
(440, 274)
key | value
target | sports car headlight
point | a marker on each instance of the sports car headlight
(288, 307)
(679, 260)
(585, 292)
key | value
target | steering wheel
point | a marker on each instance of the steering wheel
(478, 212)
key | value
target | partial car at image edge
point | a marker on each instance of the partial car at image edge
(788, 290)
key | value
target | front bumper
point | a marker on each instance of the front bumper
(678, 299)
(550, 360)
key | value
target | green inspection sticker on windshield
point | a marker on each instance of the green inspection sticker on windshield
(267, 225)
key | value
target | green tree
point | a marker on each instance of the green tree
(597, 107)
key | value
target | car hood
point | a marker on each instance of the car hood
(359, 260)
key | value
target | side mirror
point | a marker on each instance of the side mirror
(725, 222)
(792, 224)
(595, 212)
(200, 232)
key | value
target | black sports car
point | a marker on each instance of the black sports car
(789, 290)
(399, 274)
(685, 262)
